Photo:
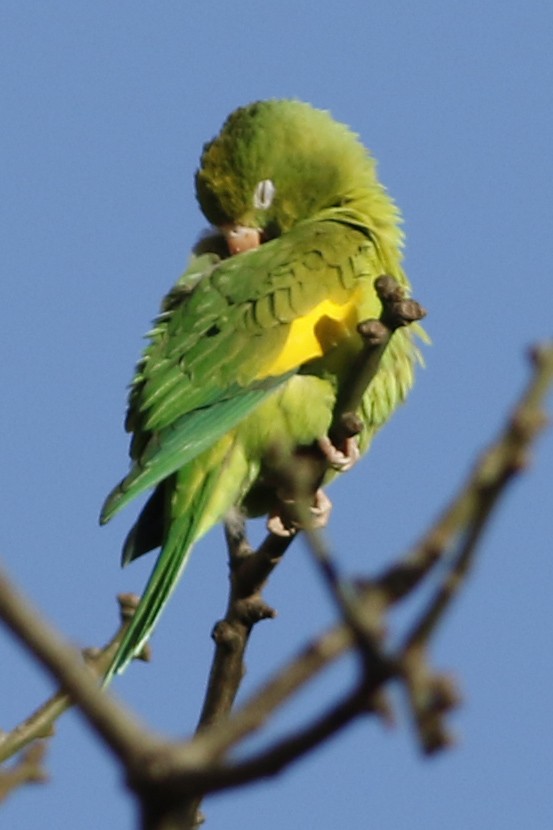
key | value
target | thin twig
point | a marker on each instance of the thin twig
(283, 752)
(40, 724)
(249, 571)
(288, 680)
(120, 731)
(431, 696)
(397, 311)
(469, 513)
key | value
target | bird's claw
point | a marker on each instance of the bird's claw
(280, 523)
(344, 459)
(320, 510)
(283, 522)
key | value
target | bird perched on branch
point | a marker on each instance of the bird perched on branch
(253, 344)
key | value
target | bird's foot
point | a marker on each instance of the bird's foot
(280, 523)
(341, 459)
(284, 522)
(320, 510)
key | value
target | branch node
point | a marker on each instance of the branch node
(379, 704)
(225, 635)
(540, 354)
(28, 769)
(350, 424)
(374, 332)
(444, 694)
(128, 603)
(398, 310)
(253, 609)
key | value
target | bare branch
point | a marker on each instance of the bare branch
(282, 753)
(169, 778)
(397, 311)
(464, 522)
(253, 714)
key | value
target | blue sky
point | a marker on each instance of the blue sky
(105, 107)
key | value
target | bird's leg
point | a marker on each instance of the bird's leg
(235, 533)
(340, 458)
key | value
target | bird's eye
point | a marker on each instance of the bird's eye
(264, 194)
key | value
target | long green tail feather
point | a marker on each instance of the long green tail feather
(167, 571)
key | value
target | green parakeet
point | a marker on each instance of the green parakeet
(253, 342)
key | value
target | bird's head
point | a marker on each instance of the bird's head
(276, 163)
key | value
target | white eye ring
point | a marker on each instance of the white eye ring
(264, 194)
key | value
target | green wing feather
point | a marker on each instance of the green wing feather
(173, 447)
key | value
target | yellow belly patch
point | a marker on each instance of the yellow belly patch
(313, 335)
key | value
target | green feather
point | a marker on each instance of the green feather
(164, 578)
(182, 441)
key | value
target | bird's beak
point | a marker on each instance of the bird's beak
(240, 238)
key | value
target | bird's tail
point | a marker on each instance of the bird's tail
(188, 523)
